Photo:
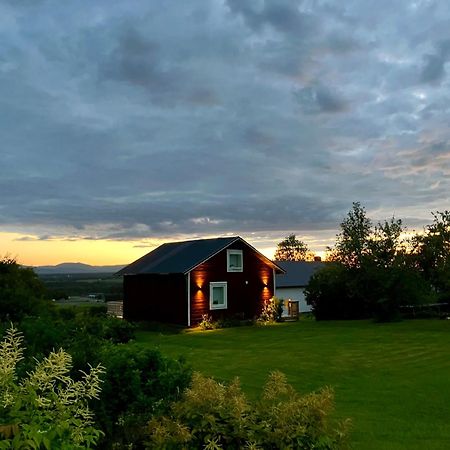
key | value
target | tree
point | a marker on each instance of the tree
(371, 274)
(352, 243)
(432, 253)
(386, 244)
(21, 291)
(292, 249)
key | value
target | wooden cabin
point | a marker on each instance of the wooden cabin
(179, 282)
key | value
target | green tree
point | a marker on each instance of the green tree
(372, 273)
(352, 243)
(385, 244)
(432, 253)
(292, 249)
(21, 291)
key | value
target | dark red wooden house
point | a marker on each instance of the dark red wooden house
(179, 282)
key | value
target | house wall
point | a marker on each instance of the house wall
(246, 290)
(155, 297)
(293, 293)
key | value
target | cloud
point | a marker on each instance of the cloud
(319, 99)
(433, 70)
(131, 120)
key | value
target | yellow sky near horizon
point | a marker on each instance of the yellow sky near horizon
(32, 251)
(35, 252)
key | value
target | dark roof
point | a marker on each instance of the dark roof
(182, 257)
(297, 273)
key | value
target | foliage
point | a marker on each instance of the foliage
(328, 292)
(352, 243)
(138, 383)
(292, 249)
(372, 274)
(118, 331)
(432, 253)
(272, 310)
(80, 334)
(21, 291)
(206, 323)
(213, 415)
(46, 409)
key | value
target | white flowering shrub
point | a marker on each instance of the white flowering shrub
(47, 409)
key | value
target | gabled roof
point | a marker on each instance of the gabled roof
(297, 273)
(182, 257)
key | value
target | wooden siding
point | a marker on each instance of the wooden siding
(155, 297)
(247, 290)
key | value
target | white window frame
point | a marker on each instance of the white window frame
(235, 269)
(212, 285)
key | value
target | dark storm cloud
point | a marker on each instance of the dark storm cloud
(128, 119)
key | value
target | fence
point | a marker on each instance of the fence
(115, 309)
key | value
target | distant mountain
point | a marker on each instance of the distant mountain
(66, 268)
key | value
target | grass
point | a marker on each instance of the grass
(392, 380)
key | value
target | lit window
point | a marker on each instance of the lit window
(218, 295)
(234, 261)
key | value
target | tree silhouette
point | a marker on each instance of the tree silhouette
(292, 249)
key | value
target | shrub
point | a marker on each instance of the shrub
(272, 310)
(138, 383)
(213, 415)
(206, 323)
(46, 409)
(118, 331)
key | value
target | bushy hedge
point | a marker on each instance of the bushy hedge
(138, 383)
(215, 416)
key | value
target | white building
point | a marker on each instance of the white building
(291, 285)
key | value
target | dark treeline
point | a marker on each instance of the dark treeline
(375, 270)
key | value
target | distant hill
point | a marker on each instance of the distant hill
(66, 268)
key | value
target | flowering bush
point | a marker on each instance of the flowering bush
(46, 409)
(272, 310)
(206, 323)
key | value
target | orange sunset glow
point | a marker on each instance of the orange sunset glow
(32, 251)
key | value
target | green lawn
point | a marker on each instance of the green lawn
(393, 380)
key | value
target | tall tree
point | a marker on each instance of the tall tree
(386, 244)
(352, 243)
(292, 249)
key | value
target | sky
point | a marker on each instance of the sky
(127, 124)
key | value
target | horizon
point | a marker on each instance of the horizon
(133, 251)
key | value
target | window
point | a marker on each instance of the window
(234, 261)
(218, 295)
